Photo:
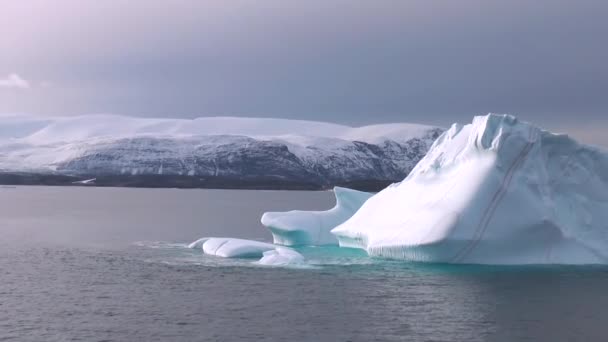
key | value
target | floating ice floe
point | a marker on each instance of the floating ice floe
(281, 256)
(232, 248)
(86, 181)
(497, 191)
(298, 227)
(240, 248)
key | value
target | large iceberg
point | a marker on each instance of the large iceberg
(313, 228)
(496, 191)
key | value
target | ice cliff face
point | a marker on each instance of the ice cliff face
(496, 191)
(212, 147)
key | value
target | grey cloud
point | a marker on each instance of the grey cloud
(353, 62)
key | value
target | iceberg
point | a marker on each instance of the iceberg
(296, 227)
(496, 191)
(231, 247)
(240, 248)
(281, 256)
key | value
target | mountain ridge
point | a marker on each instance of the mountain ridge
(241, 149)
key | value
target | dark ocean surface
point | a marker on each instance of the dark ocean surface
(111, 264)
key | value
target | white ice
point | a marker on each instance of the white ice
(313, 228)
(86, 181)
(281, 256)
(497, 191)
(232, 248)
(240, 248)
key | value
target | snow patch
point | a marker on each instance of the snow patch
(86, 181)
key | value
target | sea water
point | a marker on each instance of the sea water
(111, 264)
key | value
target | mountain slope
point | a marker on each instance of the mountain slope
(218, 147)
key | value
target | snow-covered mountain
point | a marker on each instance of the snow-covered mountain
(227, 147)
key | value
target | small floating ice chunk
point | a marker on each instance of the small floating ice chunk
(232, 248)
(313, 228)
(198, 243)
(86, 181)
(270, 254)
(281, 256)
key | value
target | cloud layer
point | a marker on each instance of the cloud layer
(353, 62)
(14, 81)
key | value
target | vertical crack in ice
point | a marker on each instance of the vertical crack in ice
(496, 199)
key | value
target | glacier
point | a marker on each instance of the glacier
(496, 191)
(313, 228)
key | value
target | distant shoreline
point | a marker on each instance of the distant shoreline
(182, 182)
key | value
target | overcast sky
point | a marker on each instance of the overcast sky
(346, 61)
